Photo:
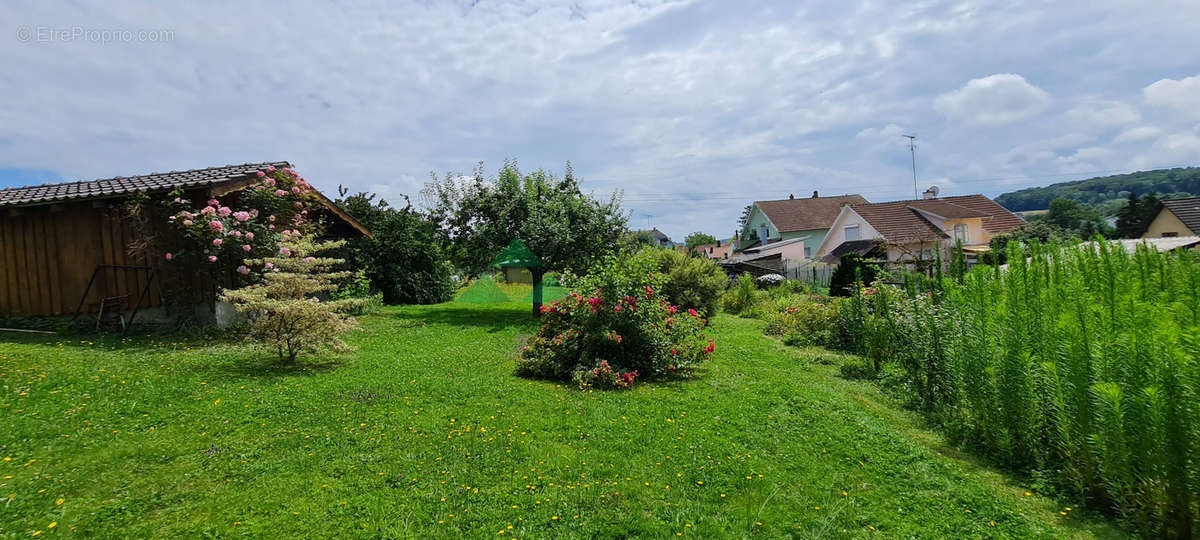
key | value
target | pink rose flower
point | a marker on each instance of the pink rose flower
(272, 227)
(297, 204)
(253, 212)
(216, 225)
(250, 235)
(187, 223)
(224, 211)
(217, 242)
(270, 168)
(214, 202)
(270, 181)
(270, 265)
(245, 247)
(243, 270)
(169, 256)
(296, 190)
(309, 259)
(208, 210)
(241, 216)
(212, 258)
(261, 174)
(280, 193)
(271, 219)
(285, 252)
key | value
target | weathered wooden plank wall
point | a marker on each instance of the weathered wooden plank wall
(47, 256)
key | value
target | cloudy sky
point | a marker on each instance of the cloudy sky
(693, 108)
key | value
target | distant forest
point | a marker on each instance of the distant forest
(1107, 193)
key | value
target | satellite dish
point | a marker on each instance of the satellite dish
(934, 190)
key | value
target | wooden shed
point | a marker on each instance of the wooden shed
(55, 239)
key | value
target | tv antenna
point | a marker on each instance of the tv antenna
(912, 149)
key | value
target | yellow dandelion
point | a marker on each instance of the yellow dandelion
(58, 502)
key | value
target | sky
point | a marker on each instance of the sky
(692, 109)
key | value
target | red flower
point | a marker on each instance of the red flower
(672, 309)
(693, 313)
(675, 352)
(711, 346)
(649, 291)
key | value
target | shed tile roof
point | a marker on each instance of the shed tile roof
(1187, 210)
(807, 213)
(122, 185)
(897, 221)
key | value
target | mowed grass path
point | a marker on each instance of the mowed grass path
(425, 432)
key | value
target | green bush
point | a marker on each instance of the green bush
(809, 323)
(742, 296)
(691, 282)
(615, 325)
(851, 268)
(403, 260)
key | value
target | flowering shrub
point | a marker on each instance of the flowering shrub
(769, 280)
(614, 327)
(808, 322)
(218, 235)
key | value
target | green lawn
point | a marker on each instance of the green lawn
(425, 432)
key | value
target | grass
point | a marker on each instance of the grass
(424, 432)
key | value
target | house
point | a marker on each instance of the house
(660, 238)
(67, 246)
(719, 250)
(913, 232)
(1176, 217)
(806, 220)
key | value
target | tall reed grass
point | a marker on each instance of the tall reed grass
(1077, 364)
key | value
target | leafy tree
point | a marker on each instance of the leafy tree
(404, 260)
(1136, 215)
(698, 239)
(285, 307)
(1076, 218)
(635, 240)
(565, 227)
(851, 268)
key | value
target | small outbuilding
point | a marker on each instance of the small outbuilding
(71, 246)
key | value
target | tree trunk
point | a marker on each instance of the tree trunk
(537, 291)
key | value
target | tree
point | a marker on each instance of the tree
(1136, 215)
(285, 308)
(404, 260)
(698, 239)
(566, 228)
(851, 269)
(1078, 219)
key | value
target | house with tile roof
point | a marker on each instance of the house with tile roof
(69, 246)
(1176, 217)
(912, 232)
(806, 220)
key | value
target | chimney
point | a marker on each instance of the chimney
(814, 193)
(791, 196)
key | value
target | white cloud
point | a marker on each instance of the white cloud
(1103, 113)
(1181, 96)
(1140, 133)
(726, 101)
(994, 100)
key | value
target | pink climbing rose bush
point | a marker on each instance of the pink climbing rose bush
(614, 328)
(219, 234)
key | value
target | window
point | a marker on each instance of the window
(960, 233)
(1170, 234)
(807, 252)
(851, 232)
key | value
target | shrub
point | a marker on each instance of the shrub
(691, 282)
(285, 309)
(403, 260)
(741, 296)
(358, 286)
(851, 269)
(768, 280)
(615, 319)
(810, 322)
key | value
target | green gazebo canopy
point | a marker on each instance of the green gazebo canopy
(517, 255)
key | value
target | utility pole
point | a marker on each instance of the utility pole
(912, 149)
